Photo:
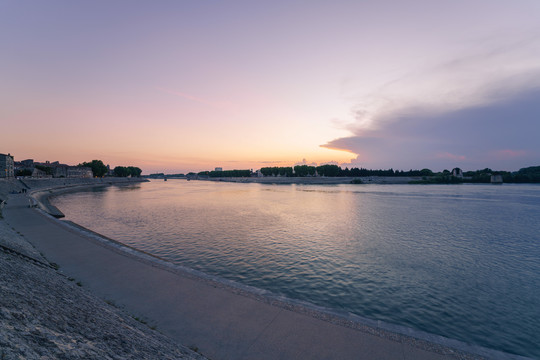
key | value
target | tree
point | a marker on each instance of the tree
(24, 172)
(46, 169)
(328, 170)
(122, 171)
(230, 173)
(134, 171)
(304, 170)
(98, 168)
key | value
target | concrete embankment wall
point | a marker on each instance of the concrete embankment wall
(37, 184)
(8, 186)
(41, 189)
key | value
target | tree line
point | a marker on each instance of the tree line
(529, 174)
(525, 175)
(99, 169)
(226, 173)
(125, 171)
(335, 170)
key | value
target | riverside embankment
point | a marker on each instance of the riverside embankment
(317, 180)
(41, 189)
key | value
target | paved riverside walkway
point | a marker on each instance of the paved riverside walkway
(221, 323)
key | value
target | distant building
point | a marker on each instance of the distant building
(456, 172)
(6, 166)
(79, 172)
(219, 169)
(496, 179)
(37, 173)
(60, 171)
(28, 163)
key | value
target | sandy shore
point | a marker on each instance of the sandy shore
(222, 319)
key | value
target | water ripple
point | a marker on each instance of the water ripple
(459, 261)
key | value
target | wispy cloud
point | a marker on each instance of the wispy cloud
(488, 72)
(455, 110)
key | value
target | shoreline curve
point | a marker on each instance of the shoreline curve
(417, 338)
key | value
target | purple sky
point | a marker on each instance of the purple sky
(176, 86)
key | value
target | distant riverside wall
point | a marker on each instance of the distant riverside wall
(316, 180)
(41, 189)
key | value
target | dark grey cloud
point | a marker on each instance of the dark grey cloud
(501, 135)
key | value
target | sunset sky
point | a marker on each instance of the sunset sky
(177, 86)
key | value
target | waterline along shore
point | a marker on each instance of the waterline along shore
(317, 180)
(221, 320)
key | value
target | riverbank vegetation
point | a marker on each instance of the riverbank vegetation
(125, 171)
(526, 175)
(99, 169)
(335, 171)
(226, 173)
(427, 176)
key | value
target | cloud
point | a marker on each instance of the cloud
(461, 110)
(470, 136)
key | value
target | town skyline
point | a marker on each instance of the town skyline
(186, 86)
(31, 163)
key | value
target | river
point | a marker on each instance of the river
(461, 261)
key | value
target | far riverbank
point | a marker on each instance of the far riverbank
(317, 180)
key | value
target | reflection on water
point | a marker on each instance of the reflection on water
(460, 261)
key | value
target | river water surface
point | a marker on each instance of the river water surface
(462, 261)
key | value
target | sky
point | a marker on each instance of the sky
(177, 86)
